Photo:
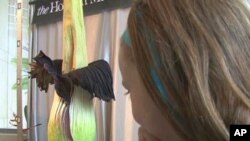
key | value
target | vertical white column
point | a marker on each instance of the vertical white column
(19, 70)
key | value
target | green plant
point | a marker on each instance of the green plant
(25, 68)
(25, 79)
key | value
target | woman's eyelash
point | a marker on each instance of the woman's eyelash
(127, 93)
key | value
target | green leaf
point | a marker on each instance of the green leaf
(25, 62)
(25, 82)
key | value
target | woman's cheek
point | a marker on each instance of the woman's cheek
(138, 106)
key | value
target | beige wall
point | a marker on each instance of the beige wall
(8, 137)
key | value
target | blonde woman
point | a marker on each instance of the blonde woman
(186, 65)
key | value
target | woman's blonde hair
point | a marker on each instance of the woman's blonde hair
(200, 50)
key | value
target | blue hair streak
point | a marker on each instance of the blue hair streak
(151, 43)
(126, 38)
(154, 75)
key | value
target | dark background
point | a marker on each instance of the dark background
(89, 9)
